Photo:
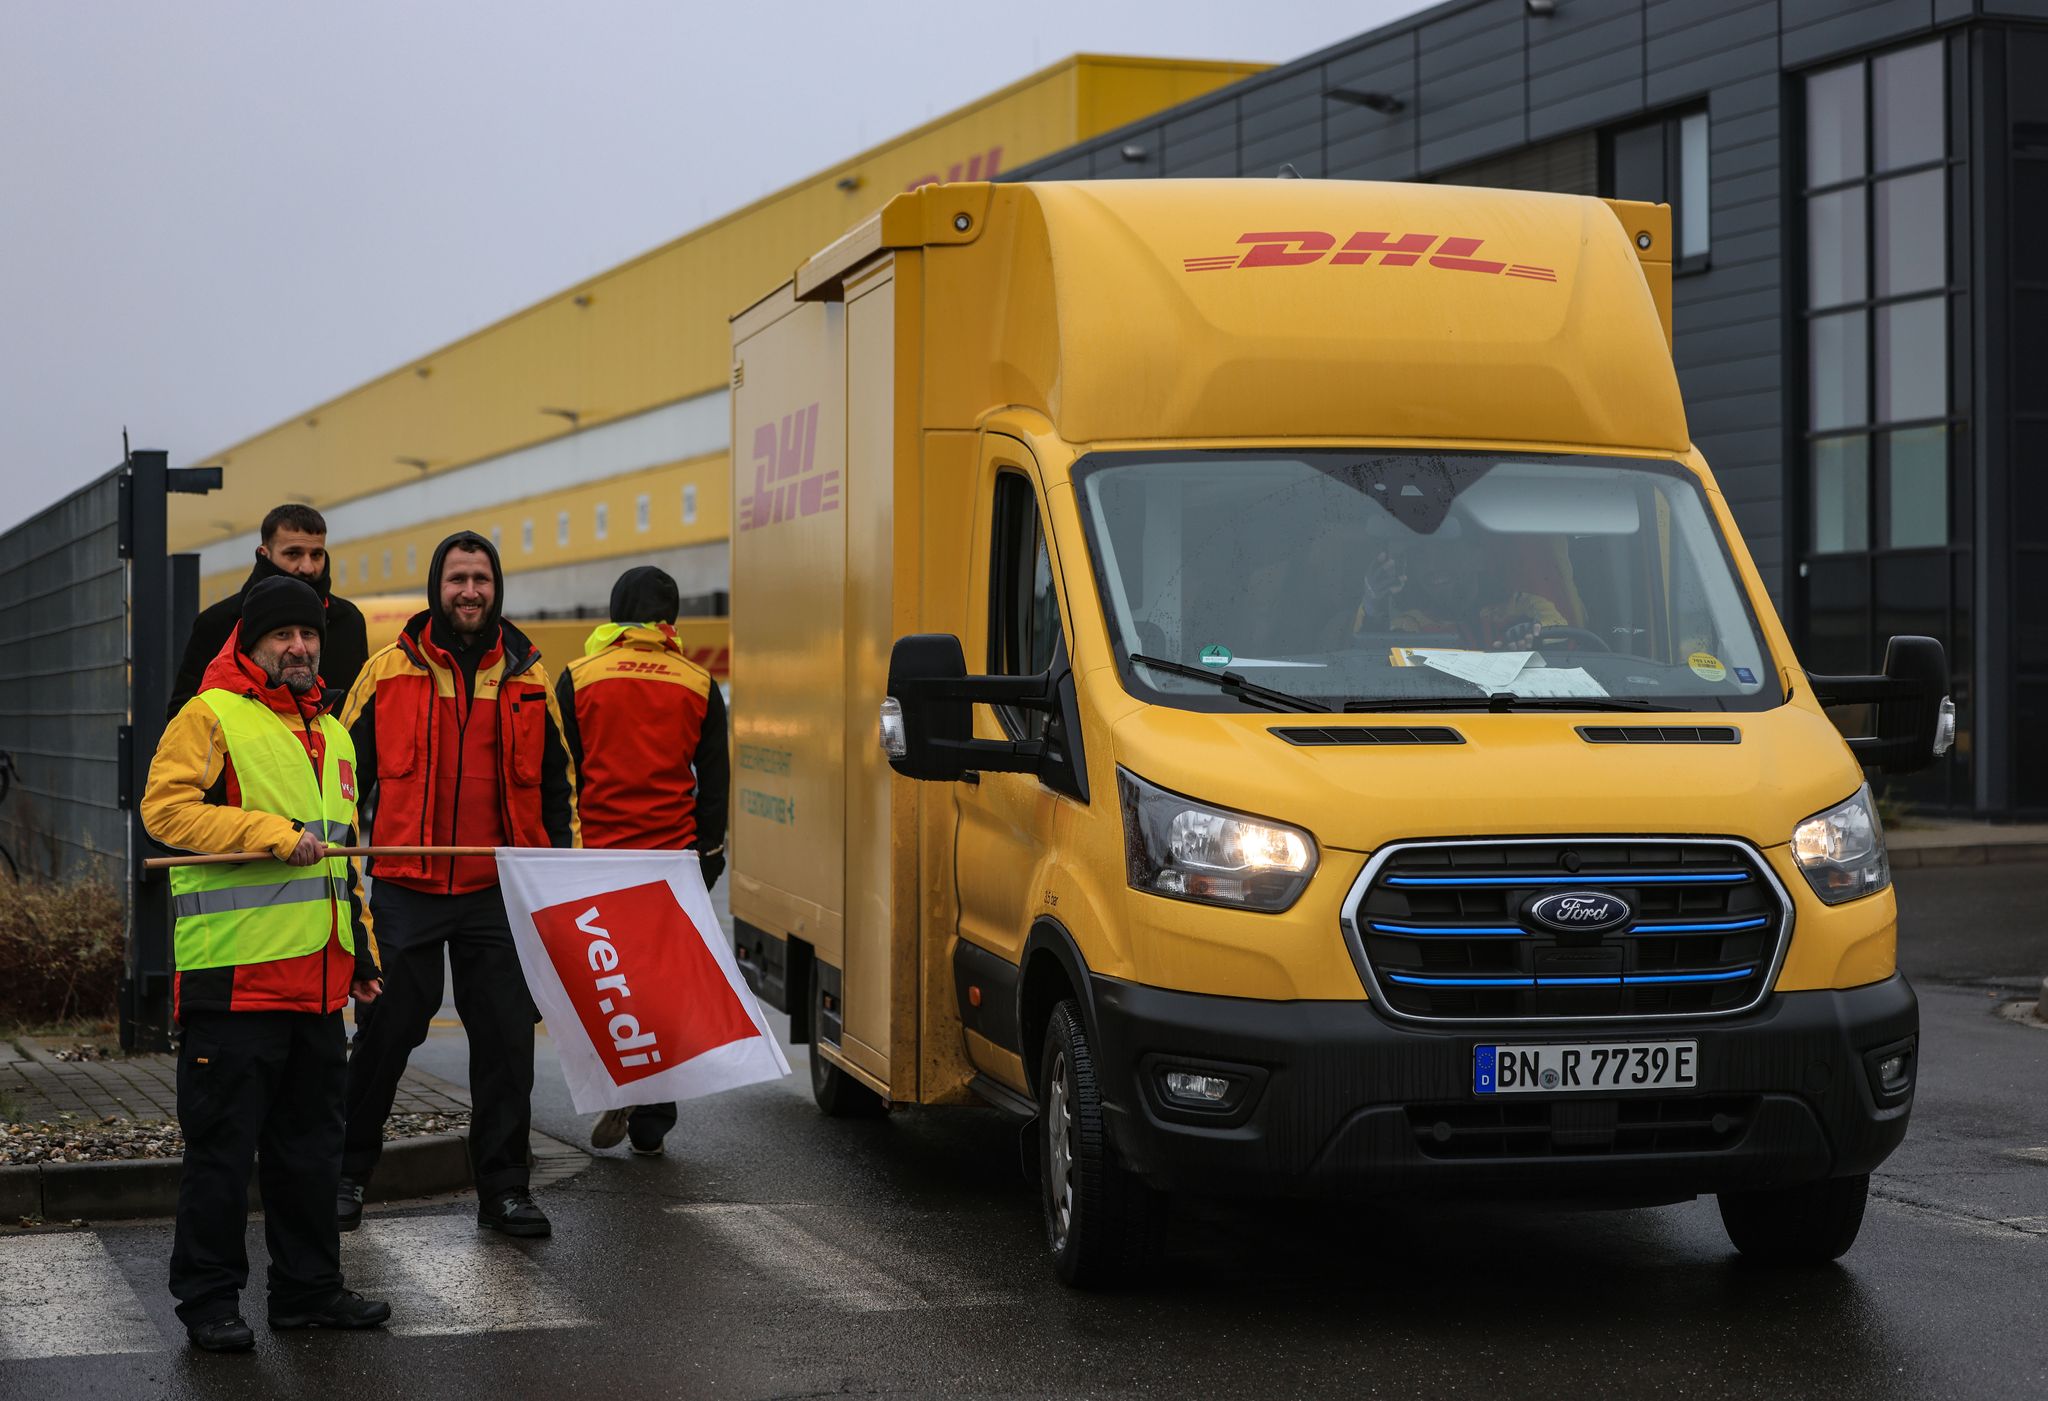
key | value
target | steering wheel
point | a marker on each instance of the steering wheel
(1570, 637)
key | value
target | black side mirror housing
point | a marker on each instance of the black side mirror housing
(1912, 716)
(928, 718)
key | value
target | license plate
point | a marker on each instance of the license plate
(1581, 1067)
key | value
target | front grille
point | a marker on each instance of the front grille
(1368, 734)
(1582, 1128)
(1660, 734)
(1444, 930)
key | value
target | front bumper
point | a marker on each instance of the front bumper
(1338, 1100)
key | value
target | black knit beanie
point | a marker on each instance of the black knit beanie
(270, 604)
(645, 594)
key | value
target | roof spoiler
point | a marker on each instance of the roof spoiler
(1649, 232)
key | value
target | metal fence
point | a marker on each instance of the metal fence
(64, 685)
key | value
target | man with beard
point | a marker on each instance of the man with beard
(294, 547)
(461, 745)
(267, 953)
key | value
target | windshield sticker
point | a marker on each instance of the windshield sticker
(1215, 654)
(1745, 676)
(1707, 666)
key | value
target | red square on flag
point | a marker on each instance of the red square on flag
(648, 992)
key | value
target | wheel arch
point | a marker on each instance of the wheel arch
(1053, 971)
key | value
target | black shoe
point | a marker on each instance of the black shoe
(514, 1213)
(647, 1147)
(229, 1334)
(347, 1309)
(348, 1204)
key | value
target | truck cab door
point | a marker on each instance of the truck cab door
(1005, 833)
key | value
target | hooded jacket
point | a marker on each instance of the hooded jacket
(459, 745)
(193, 802)
(343, 649)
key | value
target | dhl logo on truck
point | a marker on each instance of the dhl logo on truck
(1302, 247)
(786, 482)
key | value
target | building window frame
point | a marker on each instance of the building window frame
(1676, 126)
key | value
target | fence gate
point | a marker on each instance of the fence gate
(93, 615)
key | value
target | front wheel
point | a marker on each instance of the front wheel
(1806, 1225)
(837, 1093)
(1103, 1224)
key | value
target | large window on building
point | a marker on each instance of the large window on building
(1885, 507)
(1666, 161)
(1877, 303)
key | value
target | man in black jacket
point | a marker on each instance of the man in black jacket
(294, 545)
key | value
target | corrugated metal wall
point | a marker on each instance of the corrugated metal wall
(64, 684)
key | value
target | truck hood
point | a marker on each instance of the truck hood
(1514, 774)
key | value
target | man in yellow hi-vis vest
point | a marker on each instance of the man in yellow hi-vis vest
(267, 953)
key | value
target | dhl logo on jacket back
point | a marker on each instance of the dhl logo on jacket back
(1304, 247)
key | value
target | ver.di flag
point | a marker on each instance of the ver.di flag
(633, 975)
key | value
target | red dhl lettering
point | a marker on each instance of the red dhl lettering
(1295, 248)
(978, 167)
(786, 482)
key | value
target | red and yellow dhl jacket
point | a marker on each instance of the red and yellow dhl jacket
(193, 802)
(646, 728)
(449, 763)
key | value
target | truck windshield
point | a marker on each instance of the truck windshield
(1350, 580)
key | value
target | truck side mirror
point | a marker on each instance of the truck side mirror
(1911, 713)
(927, 727)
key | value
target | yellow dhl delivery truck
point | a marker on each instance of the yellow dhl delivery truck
(1256, 677)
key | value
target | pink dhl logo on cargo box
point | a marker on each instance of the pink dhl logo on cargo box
(787, 484)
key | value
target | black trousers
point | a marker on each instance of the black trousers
(262, 1091)
(413, 933)
(651, 1121)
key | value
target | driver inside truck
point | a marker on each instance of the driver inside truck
(1480, 591)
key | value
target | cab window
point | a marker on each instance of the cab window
(1024, 613)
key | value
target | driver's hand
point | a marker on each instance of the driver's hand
(309, 850)
(1385, 578)
(1522, 637)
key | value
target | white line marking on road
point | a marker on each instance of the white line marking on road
(63, 1296)
(442, 1275)
(807, 1262)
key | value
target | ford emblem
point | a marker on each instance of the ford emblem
(1581, 911)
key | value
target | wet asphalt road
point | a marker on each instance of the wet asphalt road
(776, 1253)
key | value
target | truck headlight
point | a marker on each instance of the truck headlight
(1178, 847)
(1842, 850)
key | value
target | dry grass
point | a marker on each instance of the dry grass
(61, 950)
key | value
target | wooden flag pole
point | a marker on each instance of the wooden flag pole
(229, 858)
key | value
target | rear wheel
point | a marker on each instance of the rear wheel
(838, 1094)
(1806, 1225)
(1103, 1224)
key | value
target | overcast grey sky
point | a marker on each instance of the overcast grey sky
(217, 213)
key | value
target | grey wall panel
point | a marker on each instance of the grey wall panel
(1690, 46)
(1707, 313)
(1213, 152)
(1733, 249)
(1724, 380)
(1073, 166)
(1470, 68)
(1362, 143)
(1821, 29)
(2015, 9)
(1585, 66)
(1283, 123)
(1301, 149)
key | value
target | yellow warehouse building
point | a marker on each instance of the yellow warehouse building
(591, 430)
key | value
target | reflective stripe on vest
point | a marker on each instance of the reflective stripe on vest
(264, 911)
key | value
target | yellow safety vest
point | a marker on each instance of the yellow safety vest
(264, 911)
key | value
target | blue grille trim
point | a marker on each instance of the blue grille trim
(1467, 931)
(1725, 927)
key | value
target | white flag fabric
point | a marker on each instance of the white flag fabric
(635, 979)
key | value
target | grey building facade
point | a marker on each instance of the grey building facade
(1861, 337)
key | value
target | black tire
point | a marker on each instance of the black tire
(1104, 1225)
(838, 1094)
(1807, 1225)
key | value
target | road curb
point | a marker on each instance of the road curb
(410, 1167)
(1983, 854)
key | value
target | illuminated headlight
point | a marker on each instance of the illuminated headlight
(1842, 850)
(1188, 850)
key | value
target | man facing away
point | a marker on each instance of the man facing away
(267, 953)
(460, 746)
(646, 728)
(294, 547)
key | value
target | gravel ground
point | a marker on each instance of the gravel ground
(71, 1140)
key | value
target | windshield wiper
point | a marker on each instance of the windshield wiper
(1232, 684)
(1502, 701)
